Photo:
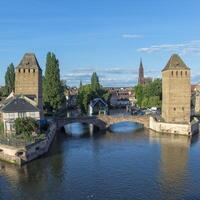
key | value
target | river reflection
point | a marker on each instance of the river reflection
(112, 165)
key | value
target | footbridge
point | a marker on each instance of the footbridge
(104, 121)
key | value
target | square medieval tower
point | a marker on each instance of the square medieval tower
(176, 89)
(28, 79)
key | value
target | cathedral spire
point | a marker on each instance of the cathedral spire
(141, 73)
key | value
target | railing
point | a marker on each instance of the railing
(13, 142)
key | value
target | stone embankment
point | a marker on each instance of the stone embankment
(22, 154)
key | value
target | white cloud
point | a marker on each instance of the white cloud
(132, 36)
(108, 76)
(181, 48)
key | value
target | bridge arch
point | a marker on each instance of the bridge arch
(104, 121)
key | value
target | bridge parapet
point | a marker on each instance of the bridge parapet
(105, 121)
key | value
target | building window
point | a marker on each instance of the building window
(181, 73)
(172, 73)
(11, 115)
(186, 73)
(174, 109)
(32, 114)
(24, 70)
(22, 115)
(176, 73)
(33, 70)
(29, 70)
(19, 70)
(182, 108)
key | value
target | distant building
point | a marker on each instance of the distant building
(141, 79)
(98, 106)
(121, 96)
(197, 102)
(176, 91)
(71, 94)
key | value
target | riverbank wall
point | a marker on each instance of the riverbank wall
(23, 154)
(174, 128)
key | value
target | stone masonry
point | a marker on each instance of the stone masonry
(28, 79)
(176, 90)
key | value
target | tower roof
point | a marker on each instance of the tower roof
(141, 65)
(175, 62)
(29, 61)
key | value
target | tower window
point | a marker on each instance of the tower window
(24, 70)
(181, 73)
(176, 73)
(174, 109)
(182, 108)
(19, 70)
(172, 73)
(186, 73)
(29, 70)
(33, 70)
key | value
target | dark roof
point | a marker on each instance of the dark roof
(18, 104)
(97, 100)
(29, 61)
(141, 65)
(175, 62)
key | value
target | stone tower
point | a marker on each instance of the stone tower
(176, 89)
(141, 79)
(28, 79)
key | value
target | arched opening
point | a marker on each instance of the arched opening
(80, 129)
(20, 153)
(125, 127)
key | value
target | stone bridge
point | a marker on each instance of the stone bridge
(104, 121)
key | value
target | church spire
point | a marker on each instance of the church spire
(141, 73)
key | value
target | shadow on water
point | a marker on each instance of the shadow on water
(125, 127)
(80, 130)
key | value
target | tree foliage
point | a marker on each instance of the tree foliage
(89, 92)
(95, 85)
(149, 95)
(9, 80)
(53, 88)
(26, 126)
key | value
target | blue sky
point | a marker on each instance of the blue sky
(107, 36)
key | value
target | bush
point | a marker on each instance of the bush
(26, 126)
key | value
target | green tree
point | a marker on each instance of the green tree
(53, 89)
(25, 126)
(95, 85)
(9, 80)
(149, 95)
(81, 84)
(88, 92)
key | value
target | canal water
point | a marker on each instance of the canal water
(120, 164)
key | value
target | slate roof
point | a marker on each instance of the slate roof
(29, 61)
(95, 101)
(175, 63)
(18, 104)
